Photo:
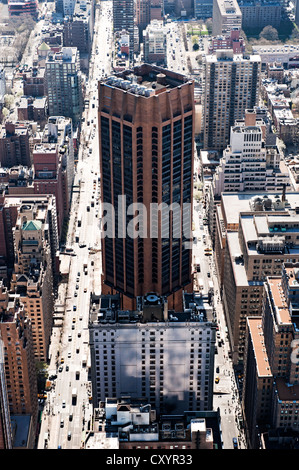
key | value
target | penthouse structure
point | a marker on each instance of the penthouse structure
(271, 362)
(146, 135)
(226, 16)
(129, 350)
(231, 86)
(133, 424)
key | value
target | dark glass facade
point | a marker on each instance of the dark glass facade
(146, 152)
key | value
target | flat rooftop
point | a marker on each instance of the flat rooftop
(261, 357)
(227, 55)
(234, 203)
(145, 80)
(239, 270)
(286, 392)
(229, 7)
(282, 311)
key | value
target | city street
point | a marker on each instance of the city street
(64, 423)
(67, 412)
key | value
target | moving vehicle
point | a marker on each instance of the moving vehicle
(74, 396)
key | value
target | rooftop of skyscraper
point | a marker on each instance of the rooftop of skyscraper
(150, 308)
(146, 80)
(228, 55)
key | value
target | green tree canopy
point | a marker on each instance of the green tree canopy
(269, 33)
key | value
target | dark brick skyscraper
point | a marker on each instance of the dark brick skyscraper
(146, 135)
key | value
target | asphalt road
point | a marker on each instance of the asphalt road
(65, 422)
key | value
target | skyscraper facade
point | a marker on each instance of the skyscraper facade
(231, 87)
(63, 83)
(123, 19)
(146, 134)
(203, 9)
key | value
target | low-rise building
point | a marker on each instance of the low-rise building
(286, 54)
(230, 40)
(33, 109)
(127, 423)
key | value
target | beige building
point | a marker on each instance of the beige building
(258, 381)
(247, 163)
(226, 16)
(271, 386)
(255, 235)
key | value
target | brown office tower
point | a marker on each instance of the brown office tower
(146, 135)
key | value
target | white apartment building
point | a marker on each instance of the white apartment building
(247, 164)
(226, 16)
(154, 40)
(151, 353)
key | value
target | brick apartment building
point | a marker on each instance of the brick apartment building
(14, 145)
